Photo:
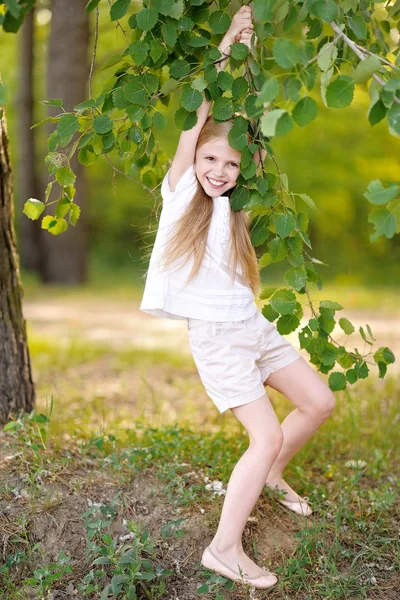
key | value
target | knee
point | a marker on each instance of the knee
(328, 403)
(270, 443)
(322, 405)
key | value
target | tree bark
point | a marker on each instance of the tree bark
(16, 385)
(64, 257)
(28, 184)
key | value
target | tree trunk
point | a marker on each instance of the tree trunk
(16, 385)
(28, 185)
(63, 257)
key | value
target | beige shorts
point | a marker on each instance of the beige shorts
(234, 358)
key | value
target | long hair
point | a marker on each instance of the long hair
(190, 232)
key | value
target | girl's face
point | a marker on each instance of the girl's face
(217, 167)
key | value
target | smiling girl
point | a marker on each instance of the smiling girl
(203, 269)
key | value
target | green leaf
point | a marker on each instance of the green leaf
(305, 111)
(169, 86)
(366, 68)
(74, 214)
(147, 18)
(160, 122)
(163, 6)
(339, 92)
(239, 197)
(286, 53)
(135, 93)
(276, 122)
(393, 117)
(191, 99)
(224, 80)
(259, 230)
(13, 7)
(268, 92)
(308, 201)
(377, 194)
(91, 5)
(222, 109)
(239, 51)
(54, 225)
(263, 9)
(384, 222)
(65, 176)
(329, 304)
(237, 135)
(269, 313)
(346, 325)
(118, 9)
(86, 156)
(169, 33)
(196, 41)
(287, 323)
(179, 68)
(67, 126)
(296, 277)
(240, 87)
(63, 206)
(358, 27)
(185, 120)
(102, 124)
(385, 355)
(219, 22)
(55, 102)
(292, 88)
(33, 208)
(376, 112)
(284, 225)
(283, 302)
(278, 249)
(337, 381)
(326, 9)
(328, 56)
(265, 260)
(267, 293)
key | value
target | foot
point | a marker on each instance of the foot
(288, 497)
(237, 566)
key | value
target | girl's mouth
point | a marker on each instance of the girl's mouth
(215, 183)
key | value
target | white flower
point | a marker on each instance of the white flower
(356, 464)
(216, 487)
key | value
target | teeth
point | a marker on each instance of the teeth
(215, 182)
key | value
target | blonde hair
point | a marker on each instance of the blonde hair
(190, 232)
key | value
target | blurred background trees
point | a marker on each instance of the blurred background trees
(332, 160)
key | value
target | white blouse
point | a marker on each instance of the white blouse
(210, 296)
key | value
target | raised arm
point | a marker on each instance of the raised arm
(185, 152)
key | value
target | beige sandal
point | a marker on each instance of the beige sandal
(301, 507)
(213, 563)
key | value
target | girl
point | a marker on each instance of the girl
(204, 269)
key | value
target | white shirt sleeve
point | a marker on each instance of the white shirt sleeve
(186, 182)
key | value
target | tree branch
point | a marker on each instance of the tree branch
(384, 60)
(357, 51)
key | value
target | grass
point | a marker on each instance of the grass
(107, 489)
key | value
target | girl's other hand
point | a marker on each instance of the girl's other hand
(241, 20)
(245, 38)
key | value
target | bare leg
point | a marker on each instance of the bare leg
(314, 401)
(247, 481)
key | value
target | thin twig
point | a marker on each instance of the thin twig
(322, 51)
(384, 60)
(96, 37)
